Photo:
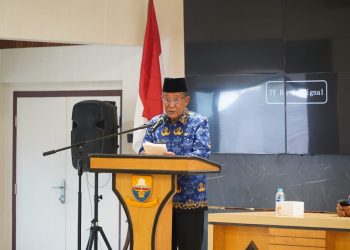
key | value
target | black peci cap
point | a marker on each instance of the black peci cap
(174, 85)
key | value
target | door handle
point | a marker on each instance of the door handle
(62, 189)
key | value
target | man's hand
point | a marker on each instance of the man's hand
(343, 211)
(168, 153)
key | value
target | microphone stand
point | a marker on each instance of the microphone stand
(80, 146)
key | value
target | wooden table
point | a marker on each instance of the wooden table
(264, 230)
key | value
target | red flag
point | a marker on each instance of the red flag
(150, 80)
(150, 85)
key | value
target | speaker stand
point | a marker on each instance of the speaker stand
(80, 173)
(95, 229)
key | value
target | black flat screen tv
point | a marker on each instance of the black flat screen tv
(272, 76)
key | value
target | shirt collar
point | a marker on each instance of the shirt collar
(183, 117)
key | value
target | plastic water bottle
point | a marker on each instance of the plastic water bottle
(279, 195)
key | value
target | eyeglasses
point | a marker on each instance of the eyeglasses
(176, 101)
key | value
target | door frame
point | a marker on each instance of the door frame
(40, 94)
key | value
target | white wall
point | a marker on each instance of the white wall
(5, 170)
(2, 161)
(117, 22)
(171, 28)
(78, 21)
(2, 16)
(87, 67)
(60, 68)
(77, 67)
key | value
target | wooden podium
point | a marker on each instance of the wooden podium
(145, 186)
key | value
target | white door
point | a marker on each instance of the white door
(42, 221)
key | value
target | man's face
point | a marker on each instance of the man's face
(174, 104)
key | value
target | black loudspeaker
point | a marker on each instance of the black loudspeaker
(93, 119)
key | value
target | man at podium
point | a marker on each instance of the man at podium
(185, 133)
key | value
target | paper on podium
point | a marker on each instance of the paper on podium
(154, 149)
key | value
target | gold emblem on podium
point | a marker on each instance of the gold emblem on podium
(141, 187)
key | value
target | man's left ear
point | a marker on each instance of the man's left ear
(188, 98)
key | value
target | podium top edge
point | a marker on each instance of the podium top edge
(159, 157)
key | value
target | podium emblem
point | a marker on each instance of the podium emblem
(141, 187)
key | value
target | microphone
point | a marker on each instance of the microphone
(161, 120)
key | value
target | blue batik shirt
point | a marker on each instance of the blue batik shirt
(188, 136)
